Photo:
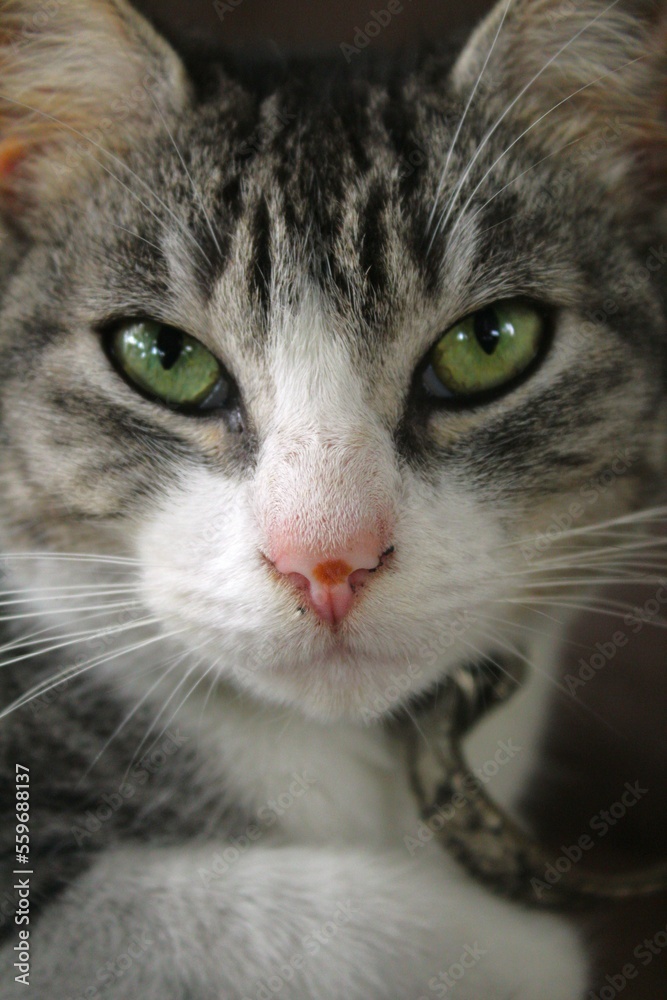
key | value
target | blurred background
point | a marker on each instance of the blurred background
(303, 24)
(613, 730)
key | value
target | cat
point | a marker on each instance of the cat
(302, 360)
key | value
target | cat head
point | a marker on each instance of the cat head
(337, 361)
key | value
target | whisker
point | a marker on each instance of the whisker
(556, 152)
(216, 678)
(67, 597)
(47, 634)
(166, 670)
(180, 684)
(69, 673)
(69, 611)
(188, 652)
(89, 637)
(512, 625)
(130, 232)
(189, 176)
(580, 581)
(83, 587)
(555, 683)
(462, 121)
(490, 132)
(72, 557)
(654, 515)
(122, 164)
(524, 133)
(591, 609)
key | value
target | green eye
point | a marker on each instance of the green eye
(484, 351)
(169, 365)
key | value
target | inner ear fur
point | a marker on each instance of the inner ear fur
(583, 69)
(77, 77)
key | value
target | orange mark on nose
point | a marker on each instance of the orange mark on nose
(332, 572)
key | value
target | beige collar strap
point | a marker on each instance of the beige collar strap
(457, 810)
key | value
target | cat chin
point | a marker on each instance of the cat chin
(341, 687)
(356, 673)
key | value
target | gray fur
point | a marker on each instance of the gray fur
(246, 191)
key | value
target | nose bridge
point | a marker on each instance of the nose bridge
(327, 479)
(323, 483)
(327, 473)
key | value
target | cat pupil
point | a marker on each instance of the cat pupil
(169, 346)
(486, 330)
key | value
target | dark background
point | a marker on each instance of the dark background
(615, 732)
(299, 23)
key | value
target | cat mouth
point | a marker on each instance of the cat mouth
(335, 593)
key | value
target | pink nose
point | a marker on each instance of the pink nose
(330, 581)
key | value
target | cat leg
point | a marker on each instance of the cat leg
(298, 923)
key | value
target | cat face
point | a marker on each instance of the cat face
(222, 331)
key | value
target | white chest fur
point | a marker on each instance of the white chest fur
(310, 782)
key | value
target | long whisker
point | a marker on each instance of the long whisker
(157, 218)
(57, 589)
(556, 152)
(95, 634)
(179, 685)
(195, 189)
(67, 597)
(68, 674)
(525, 132)
(463, 118)
(653, 515)
(47, 634)
(554, 683)
(591, 581)
(213, 669)
(101, 558)
(131, 232)
(490, 132)
(590, 608)
(190, 692)
(68, 611)
(166, 670)
(121, 163)
(513, 625)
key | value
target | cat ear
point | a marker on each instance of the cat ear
(77, 77)
(588, 77)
